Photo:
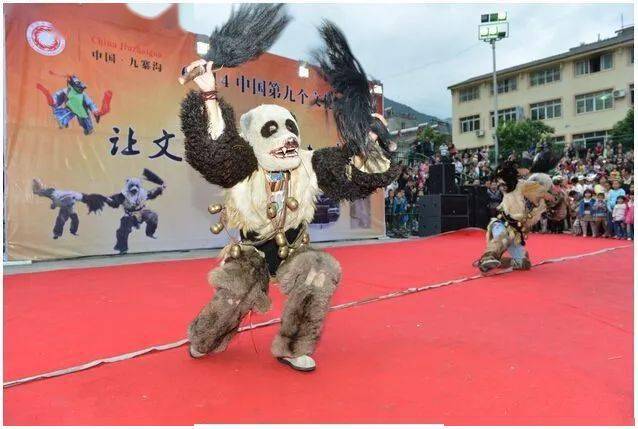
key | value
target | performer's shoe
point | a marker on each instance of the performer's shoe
(523, 265)
(302, 363)
(488, 262)
(55, 237)
(194, 353)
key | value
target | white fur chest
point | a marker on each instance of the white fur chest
(246, 202)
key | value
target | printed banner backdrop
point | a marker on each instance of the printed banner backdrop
(129, 66)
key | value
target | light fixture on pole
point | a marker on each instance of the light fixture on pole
(304, 70)
(201, 48)
(493, 27)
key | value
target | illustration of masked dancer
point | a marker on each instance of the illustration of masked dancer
(73, 102)
(65, 202)
(133, 199)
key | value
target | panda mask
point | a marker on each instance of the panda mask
(273, 134)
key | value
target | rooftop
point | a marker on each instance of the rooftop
(622, 36)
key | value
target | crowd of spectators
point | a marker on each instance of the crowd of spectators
(593, 189)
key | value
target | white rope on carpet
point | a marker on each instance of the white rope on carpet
(276, 320)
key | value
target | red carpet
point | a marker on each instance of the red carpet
(550, 346)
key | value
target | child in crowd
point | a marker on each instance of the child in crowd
(618, 217)
(600, 214)
(586, 213)
(629, 217)
(400, 210)
(573, 216)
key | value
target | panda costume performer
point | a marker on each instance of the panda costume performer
(65, 202)
(524, 202)
(133, 198)
(271, 185)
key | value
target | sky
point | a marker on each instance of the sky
(418, 50)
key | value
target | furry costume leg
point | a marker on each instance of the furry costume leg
(126, 227)
(242, 284)
(152, 220)
(60, 221)
(309, 278)
(497, 242)
(75, 223)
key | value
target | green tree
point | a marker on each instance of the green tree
(429, 134)
(623, 131)
(519, 136)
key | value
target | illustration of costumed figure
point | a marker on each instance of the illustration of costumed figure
(524, 202)
(73, 102)
(271, 185)
(65, 202)
(133, 200)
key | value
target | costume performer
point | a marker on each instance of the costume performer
(133, 200)
(271, 185)
(73, 102)
(524, 202)
(65, 201)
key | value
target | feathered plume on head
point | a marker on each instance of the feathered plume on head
(353, 105)
(249, 32)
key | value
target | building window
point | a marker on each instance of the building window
(545, 110)
(504, 115)
(557, 140)
(595, 64)
(468, 94)
(470, 123)
(631, 54)
(541, 77)
(594, 102)
(631, 93)
(590, 139)
(504, 85)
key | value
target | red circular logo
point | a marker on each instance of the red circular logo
(44, 38)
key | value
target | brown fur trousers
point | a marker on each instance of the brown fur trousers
(309, 279)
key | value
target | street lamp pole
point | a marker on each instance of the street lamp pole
(493, 27)
(495, 89)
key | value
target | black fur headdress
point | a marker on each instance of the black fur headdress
(249, 32)
(544, 161)
(353, 105)
(508, 172)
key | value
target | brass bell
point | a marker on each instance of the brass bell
(271, 210)
(217, 228)
(283, 252)
(214, 208)
(292, 203)
(235, 251)
(280, 239)
(305, 238)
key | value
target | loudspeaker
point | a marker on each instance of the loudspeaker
(479, 213)
(441, 179)
(442, 213)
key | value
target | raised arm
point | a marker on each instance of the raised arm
(156, 192)
(213, 146)
(342, 177)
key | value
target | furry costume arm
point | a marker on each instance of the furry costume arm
(155, 193)
(115, 200)
(95, 202)
(339, 179)
(213, 145)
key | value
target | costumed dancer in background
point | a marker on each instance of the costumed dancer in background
(73, 102)
(271, 184)
(133, 200)
(522, 207)
(65, 201)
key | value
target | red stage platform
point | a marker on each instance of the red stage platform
(551, 346)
